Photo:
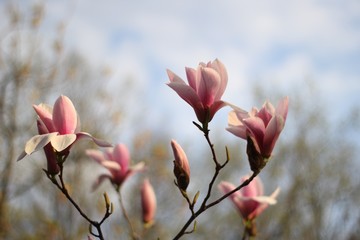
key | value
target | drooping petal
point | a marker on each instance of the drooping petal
(38, 142)
(61, 142)
(99, 142)
(99, 180)
(209, 86)
(97, 155)
(64, 115)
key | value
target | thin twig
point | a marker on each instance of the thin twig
(62, 187)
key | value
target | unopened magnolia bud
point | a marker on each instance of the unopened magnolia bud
(148, 202)
(256, 160)
(181, 166)
(182, 178)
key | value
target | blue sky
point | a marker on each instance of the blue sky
(275, 43)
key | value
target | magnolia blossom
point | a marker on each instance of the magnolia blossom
(148, 202)
(263, 126)
(181, 166)
(249, 200)
(58, 126)
(207, 84)
(116, 160)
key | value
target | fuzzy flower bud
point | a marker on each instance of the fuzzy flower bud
(181, 166)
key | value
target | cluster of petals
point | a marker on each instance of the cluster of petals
(262, 126)
(206, 86)
(58, 126)
(148, 202)
(181, 166)
(117, 161)
(249, 200)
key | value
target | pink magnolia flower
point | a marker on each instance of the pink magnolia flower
(181, 166)
(206, 86)
(116, 160)
(148, 202)
(262, 126)
(249, 200)
(58, 126)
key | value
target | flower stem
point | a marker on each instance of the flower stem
(133, 234)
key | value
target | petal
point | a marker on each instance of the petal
(226, 187)
(246, 206)
(97, 155)
(122, 157)
(38, 142)
(100, 179)
(64, 115)
(253, 189)
(191, 76)
(220, 68)
(208, 86)
(269, 108)
(282, 108)
(99, 142)
(22, 155)
(111, 165)
(239, 131)
(61, 142)
(265, 114)
(216, 106)
(138, 167)
(264, 203)
(44, 112)
(256, 127)
(174, 78)
(187, 93)
(272, 133)
(233, 120)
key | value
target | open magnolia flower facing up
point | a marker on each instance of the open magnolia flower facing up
(206, 86)
(261, 128)
(249, 200)
(58, 129)
(116, 160)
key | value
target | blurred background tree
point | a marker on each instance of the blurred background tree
(315, 160)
